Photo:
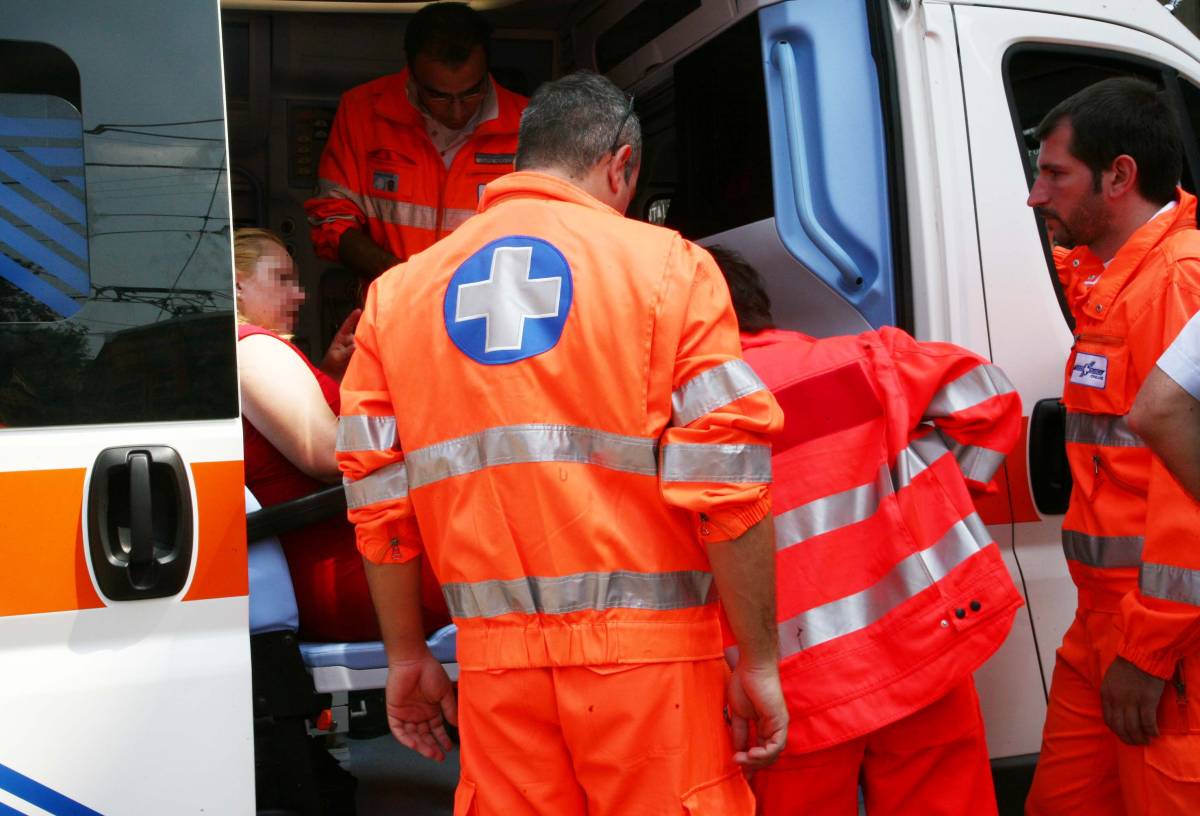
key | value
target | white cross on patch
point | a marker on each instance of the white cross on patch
(508, 298)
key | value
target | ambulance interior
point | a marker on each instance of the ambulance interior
(698, 87)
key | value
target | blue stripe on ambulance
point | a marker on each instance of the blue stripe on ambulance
(37, 794)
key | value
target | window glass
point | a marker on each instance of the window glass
(1040, 77)
(116, 300)
(723, 144)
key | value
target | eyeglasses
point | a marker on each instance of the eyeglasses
(616, 144)
(465, 98)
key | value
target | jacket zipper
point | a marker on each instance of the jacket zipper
(1097, 464)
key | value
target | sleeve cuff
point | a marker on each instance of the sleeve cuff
(392, 543)
(1158, 663)
(729, 523)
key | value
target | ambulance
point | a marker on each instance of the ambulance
(870, 157)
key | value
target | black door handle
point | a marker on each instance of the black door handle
(140, 522)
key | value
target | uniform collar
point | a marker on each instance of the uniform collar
(530, 184)
(1130, 256)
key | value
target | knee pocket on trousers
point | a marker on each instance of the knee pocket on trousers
(728, 795)
(464, 798)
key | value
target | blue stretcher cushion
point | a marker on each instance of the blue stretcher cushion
(272, 599)
(370, 655)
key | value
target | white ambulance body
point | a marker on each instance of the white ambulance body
(870, 157)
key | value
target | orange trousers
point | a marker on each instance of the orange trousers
(1083, 767)
(633, 740)
(931, 763)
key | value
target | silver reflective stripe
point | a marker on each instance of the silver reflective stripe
(976, 463)
(404, 213)
(1102, 551)
(920, 454)
(978, 385)
(366, 433)
(388, 483)
(585, 590)
(452, 218)
(718, 386)
(734, 464)
(515, 444)
(831, 512)
(1170, 583)
(1101, 429)
(911, 576)
(858, 503)
(331, 189)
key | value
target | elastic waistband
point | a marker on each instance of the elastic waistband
(486, 645)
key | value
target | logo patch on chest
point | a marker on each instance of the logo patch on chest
(385, 182)
(1090, 370)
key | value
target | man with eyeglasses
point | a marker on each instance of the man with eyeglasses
(410, 153)
(550, 406)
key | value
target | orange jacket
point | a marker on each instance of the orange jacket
(890, 589)
(381, 173)
(551, 404)
(1128, 515)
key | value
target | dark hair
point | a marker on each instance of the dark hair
(1117, 116)
(572, 123)
(750, 299)
(446, 33)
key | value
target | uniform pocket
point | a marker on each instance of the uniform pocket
(1098, 376)
(728, 795)
(391, 178)
(464, 798)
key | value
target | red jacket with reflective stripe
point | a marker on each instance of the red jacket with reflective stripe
(382, 174)
(890, 588)
(1132, 533)
(557, 492)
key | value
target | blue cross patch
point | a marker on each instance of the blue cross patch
(509, 301)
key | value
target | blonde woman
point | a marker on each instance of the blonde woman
(289, 425)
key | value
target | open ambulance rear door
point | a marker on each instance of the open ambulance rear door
(124, 659)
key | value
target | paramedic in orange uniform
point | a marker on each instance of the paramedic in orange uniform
(891, 591)
(1122, 731)
(551, 405)
(409, 154)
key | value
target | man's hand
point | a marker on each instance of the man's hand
(1130, 698)
(419, 696)
(337, 357)
(755, 695)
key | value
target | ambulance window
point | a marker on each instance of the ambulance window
(639, 27)
(1038, 78)
(723, 145)
(116, 300)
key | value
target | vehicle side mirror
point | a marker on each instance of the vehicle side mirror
(1049, 471)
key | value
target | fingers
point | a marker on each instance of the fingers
(449, 705)
(740, 728)
(427, 738)
(1148, 714)
(350, 323)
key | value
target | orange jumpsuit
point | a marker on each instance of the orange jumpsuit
(381, 173)
(890, 590)
(1131, 537)
(551, 405)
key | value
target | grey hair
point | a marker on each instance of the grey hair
(571, 124)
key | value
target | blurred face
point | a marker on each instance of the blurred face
(1064, 194)
(452, 95)
(271, 296)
